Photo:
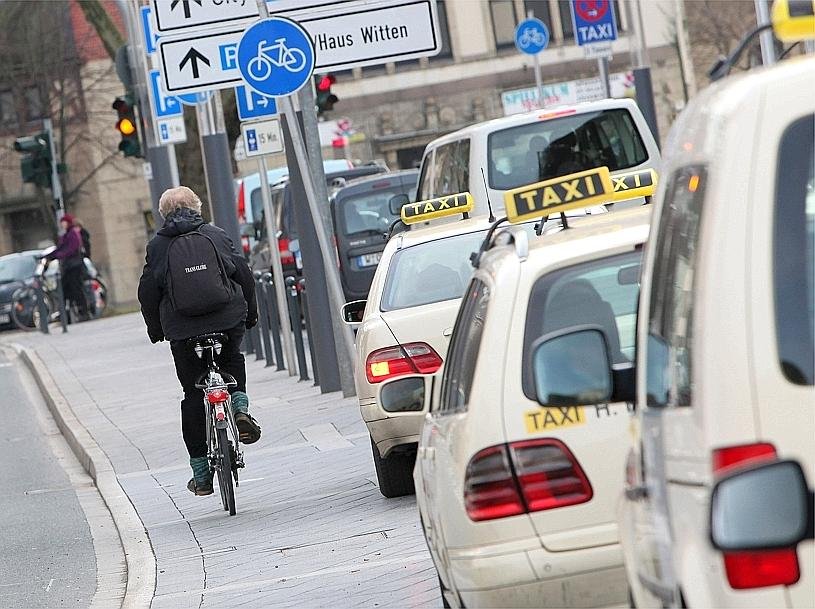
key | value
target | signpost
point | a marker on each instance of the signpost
(531, 37)
(173, 16)
(595, 28)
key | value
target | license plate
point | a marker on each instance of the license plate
(546, 419)
(369, 259)
(5, 318)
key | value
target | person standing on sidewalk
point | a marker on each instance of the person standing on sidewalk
(71, 266)
(178, 307)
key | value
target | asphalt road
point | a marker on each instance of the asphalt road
(47, 552)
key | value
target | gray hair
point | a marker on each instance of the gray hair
(178, 198)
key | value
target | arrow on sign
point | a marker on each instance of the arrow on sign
(186, 4)
(193, 56)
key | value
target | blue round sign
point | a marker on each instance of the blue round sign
(276, 56)
(531, 36)
(193, 99)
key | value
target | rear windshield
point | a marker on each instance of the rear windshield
(602, 293)
(369, 212)
(549, 148)
(16, 268)
(430, 272)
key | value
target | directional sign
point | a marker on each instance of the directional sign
(531, 36)
(171, 130)
(262, 137)
(276, 56)
(163, 105)
(147, 29)
(252, 104)
(193, 99)
(593, 21)
(179, 15)
(200, 62)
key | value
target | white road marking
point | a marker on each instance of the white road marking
(48, 587)
(325, 437)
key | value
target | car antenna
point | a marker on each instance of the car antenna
(564, 220)
(486, 190)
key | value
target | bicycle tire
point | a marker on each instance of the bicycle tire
(265, 64)
(224, 472)
(25, 299)
(293, 54)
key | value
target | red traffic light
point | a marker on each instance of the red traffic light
(325, 82)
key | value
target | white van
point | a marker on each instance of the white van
(489, 158)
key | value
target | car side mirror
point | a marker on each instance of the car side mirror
(765, 507)
(397, 202)
(405, 394)
(352, 312)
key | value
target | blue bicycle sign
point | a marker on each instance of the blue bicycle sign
(531, 36)
(276, 56)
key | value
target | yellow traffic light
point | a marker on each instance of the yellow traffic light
(126, 126)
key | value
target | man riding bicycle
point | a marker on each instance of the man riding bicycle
(193, 283)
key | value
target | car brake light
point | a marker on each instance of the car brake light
(549, 475)
(286, 256)
(411, 358)
(762, 568)
(241, 205)
(245, 244)
(490, 488)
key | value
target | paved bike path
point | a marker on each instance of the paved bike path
(311, 529)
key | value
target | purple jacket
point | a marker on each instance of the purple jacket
(69, 246)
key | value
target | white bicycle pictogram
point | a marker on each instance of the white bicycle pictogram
(531, 36)
(275, 55)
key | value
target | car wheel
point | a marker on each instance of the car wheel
(394, 473)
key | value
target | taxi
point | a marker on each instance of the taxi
(489, 158)
(515, 478)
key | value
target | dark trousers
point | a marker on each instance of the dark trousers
(73, 289)
(189, 368)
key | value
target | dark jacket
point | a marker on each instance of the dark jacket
(162, 321)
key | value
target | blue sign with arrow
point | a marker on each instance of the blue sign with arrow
(531, 36)
(276, 56)
(163, 105)
(593, 21)
(253, 105)
(147, 29)
(193, 99)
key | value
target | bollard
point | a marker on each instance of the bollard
(45, 314)
(258, 344)
(307, 317)
(297, 326)
(263, 318)
(274, 319)
(63, 314)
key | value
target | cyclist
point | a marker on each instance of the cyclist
(165, 304)
(69, 254)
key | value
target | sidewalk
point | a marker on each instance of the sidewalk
(311, 529)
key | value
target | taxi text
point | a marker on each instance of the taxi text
(582, 189)
(437, 208)
(551, 417)
(640, 183)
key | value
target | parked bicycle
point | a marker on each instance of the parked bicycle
(275, 55)
(223, 449)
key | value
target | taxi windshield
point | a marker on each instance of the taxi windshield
(550, 148)
(430, 272)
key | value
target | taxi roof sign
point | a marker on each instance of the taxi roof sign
(640, 183)
(439, 207)
(794, 20)
(573, 191)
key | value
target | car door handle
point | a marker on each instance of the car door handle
(636, 493)
(447, 332)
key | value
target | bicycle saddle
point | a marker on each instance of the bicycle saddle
(207, 339)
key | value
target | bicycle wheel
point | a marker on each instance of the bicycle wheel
(225, 472)
(24, 310)
(260, 67)
(294, 60)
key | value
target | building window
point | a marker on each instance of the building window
(504, 20)
(8, 113)
(33, 104)
(444, 31)
(539, 10)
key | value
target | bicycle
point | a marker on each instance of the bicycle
(531, 36)
(223, 453)
(26, 311)
(260, 67)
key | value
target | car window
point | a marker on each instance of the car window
(368, 212)
(16, 268)
(549, 148)
(601, 293)
(670, 315)
(425, 188)
(430, 272)
(794, 252)
(463, 352)
(452, 171)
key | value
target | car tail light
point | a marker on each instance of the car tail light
(758, 569)
(286, 255)
(411, 358)
(241, 204)
(245, 243)
(490, 488)
(549, 475)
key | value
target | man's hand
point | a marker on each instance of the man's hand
(251, 323)
(155, 338)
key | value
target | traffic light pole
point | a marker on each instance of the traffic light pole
(56, 185)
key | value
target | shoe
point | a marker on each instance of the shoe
(248, 428)
(199, 488)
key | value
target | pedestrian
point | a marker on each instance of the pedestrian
(85, 236)
(71, 265)
(181, 298)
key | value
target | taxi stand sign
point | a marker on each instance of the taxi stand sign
(573, 191)
(439, 207)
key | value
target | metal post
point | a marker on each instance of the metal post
(274, 319)
(294, 313)
(45, 314)
(249, 343)
(277, 266)
(56, 185)
(766, 37)
(530, 14)
(602, 67)
(263, 318)
(63, 313)
(642, 71)
(255, 330)
(307, 319)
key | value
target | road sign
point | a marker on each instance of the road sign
(597, 50)
(593, 21)
(262, 137)
(162, 105)
(531, 36)
(171, 130)
(193, 99)
(147, 29)
(252, 104)
(200, 62)
(179, 15)
(276, 56)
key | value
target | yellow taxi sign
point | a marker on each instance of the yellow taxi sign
(581, 189)
(439, 207)
(794, 20)
(640, 183)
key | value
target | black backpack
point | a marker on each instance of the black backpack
(196, 277)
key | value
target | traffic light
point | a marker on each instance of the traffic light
(127, 125)
(325, 98)
(35, 166)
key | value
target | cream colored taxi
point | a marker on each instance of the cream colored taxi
(515, 479)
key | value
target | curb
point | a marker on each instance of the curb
(138, 551)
